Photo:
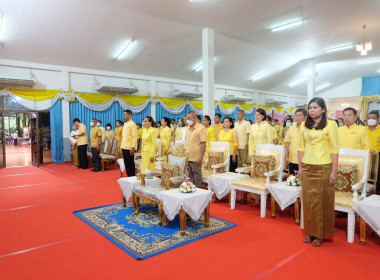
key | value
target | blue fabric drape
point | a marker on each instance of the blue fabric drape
(113, 113)
(234, 115)
(161, 112)
(56, 128)
(371, 85)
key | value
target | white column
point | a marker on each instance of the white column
(64, 81)
(208, 71)
(153, 92)
(311, 82)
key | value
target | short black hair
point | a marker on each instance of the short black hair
(269, 118)
(374, 113)
(138, 124)
(262, 112)
(351, 109)
(99, 121)
(199, 118)
(219, 115)
(76, 120)
(301, 110)
(241, 111)
(231, 120)
(129, 112)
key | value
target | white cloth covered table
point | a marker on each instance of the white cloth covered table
(284, 195)
(369, 210)
(220, 184)
(192, 203)
(128, 184)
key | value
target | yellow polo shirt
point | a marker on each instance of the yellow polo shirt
(318, 145)
(354, 137)
(95, 133)
(218, 127)
(259, 134)
(274, 132)
(82, 140)
(129, 136)
(374, 138)
(243, 129)
(292, 136)
(194, 137)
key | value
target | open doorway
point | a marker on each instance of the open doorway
(27, 138)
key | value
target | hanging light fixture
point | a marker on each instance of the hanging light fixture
(365, 46)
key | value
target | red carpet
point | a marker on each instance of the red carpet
(42, 239)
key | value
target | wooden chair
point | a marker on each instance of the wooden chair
(108, 159)
(352, 177)
(268, 163)
(373, 171)
(220, 165)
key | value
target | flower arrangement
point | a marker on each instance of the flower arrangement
(293, 180)
(187, 186)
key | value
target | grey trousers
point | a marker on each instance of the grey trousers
(195, 174)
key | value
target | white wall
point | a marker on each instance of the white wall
(83, 80)
(350, 89)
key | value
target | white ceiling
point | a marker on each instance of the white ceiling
(90, 34)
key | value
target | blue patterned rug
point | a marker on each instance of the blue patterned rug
(141, 236)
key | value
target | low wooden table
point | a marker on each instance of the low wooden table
(285, 195)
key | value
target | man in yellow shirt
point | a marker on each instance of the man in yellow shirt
(129, 143)
(292, 141)
(218, 126)
(196, 145)
(373, 130)
(350, 134)
(242, 127)
(82, 142)
(95, 144)
(103, 130)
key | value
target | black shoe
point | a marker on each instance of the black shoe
(96, 170)
(105, 169)
(92, 169)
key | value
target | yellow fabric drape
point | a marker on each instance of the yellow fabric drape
(226, 105)
(97, 98)
(197, 104)
(172, 102)
(364, 103)
(134, 100)
(246, 106)
(35, 94)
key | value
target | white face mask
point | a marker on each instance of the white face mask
(108, 128)
(189, 122)
(340, 124)
(98, 124)
(273, 123)
(288, 124)
(372, 122)
(91, 124)
(294, 123)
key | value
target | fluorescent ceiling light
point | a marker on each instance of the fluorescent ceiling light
(369, 61)
(288, 25)
(322, 86)
(307, 72)
(201, 66)
(295, 83)
(125, 49)
(341, 48)
(259, 76)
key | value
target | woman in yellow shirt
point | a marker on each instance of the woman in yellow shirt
(165, 136)
(318, 166)
(230, 135)
(149, 143)
(210, 132)
(109, 136)
(118, 136)
(179, 133)
(260, 133)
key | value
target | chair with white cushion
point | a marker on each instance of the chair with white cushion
(218, 160)
(267, 168)
(352, 177)
(373, 171)
(108, 159)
